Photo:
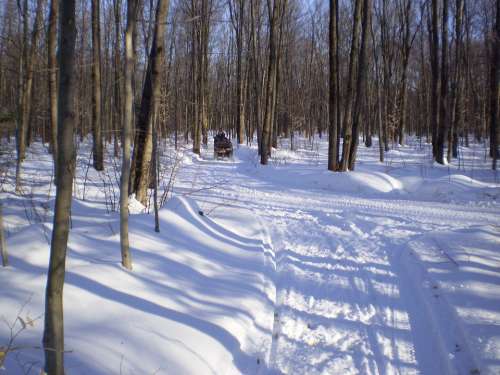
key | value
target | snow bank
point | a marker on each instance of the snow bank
(200, 299)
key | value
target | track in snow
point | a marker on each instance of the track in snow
(346, 301)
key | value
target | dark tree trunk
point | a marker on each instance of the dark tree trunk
(117, 113)
(53, 336)
(97, 149)
(360, 83)
(435, 76)
(443, 105)
(495, 90)
(3, 243)
(150, 96)
(238, 19)
(255, 74)
(434, 54)
(52, 63)
(271, 77)
(333, 93)
(456, 108)
(353, 62)
(406, 19)
(28, 62)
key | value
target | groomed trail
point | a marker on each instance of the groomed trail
(287, 268)
(355, 293)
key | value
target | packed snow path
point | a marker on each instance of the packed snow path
(279, 269)
(354, 293)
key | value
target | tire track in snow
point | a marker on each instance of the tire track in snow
(333, 313)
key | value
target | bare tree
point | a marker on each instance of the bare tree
(274, 16)
(434, 47)
(360, 82)
(255, 73)
(457, 84)
(334, 89)
(52, 63)
(378, 85)
(128, 115)
(150, 96)
(405, 14)
(495, 89)
(117, 113)
(96, 87)
(3, 242)
(443, 105)
(27, 61)
(237, 16)
(353, 62)
(53, 336)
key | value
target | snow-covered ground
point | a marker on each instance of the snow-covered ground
(286, 268)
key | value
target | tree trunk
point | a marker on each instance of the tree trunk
(344, 163)
(238, 27)
(52, 63)
(117, 113)
(53, 337)
(255, 74)
(273, 135)
(28, 61)
(195, 85)
(128, 115)
(495, 89)
(271, 76)
(406, 19)
(379, 99)
(435, 75)
(3, 242)
(443, 105)
(456, 108)
(156, 163)
(97, 149)
(360, 83)
(150, 97)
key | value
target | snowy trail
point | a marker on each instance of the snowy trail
(348, 300)
(282, 269)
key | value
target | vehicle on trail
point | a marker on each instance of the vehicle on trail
(223, 148)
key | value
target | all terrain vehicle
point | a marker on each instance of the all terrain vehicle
(223, 148)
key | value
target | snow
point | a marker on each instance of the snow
(288, 268)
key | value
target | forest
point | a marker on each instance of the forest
(249, 186)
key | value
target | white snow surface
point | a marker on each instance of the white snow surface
(393, 268)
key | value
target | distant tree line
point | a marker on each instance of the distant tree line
(259, 70)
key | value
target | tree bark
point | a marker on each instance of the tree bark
(271, 76)
(378, 85)
(195, 113)
(53, 337)
(443, 105)
(3, 242)
(52, 63)
(456, 108)
(360, 83)
(406, 20)
(150, 96)
(255, 74)
(435, 75)
(203, 70)
(237, 19)
(28, 62)
(117, 113)
(128, 115)
(97, 149)
(495, 89)
(344, 163)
